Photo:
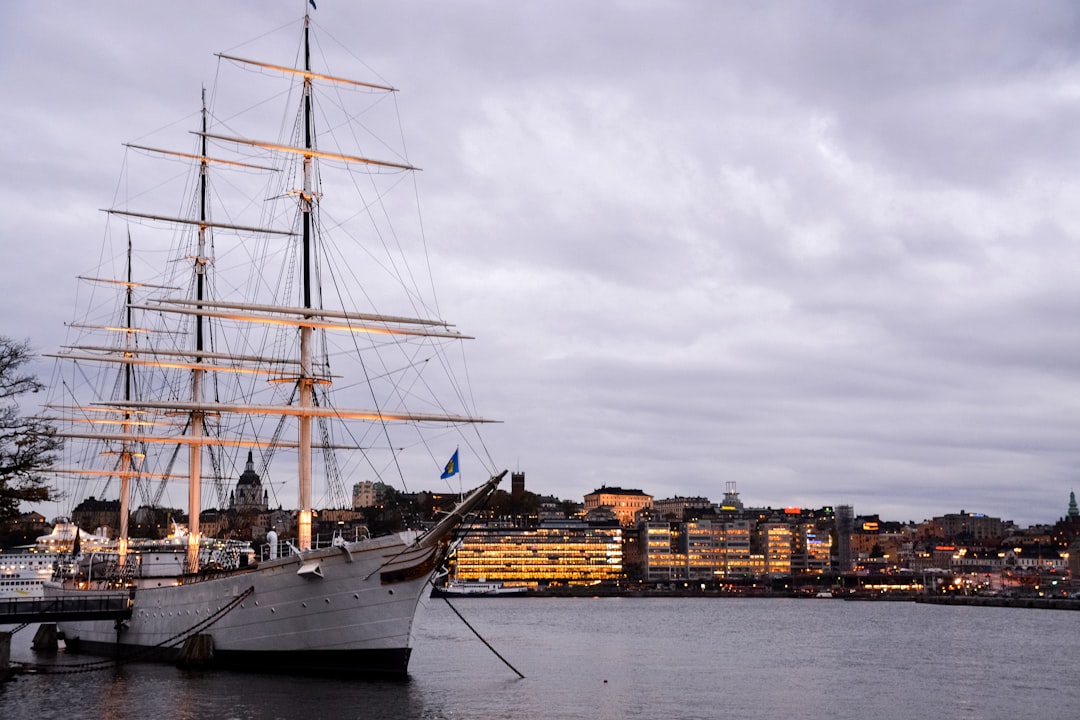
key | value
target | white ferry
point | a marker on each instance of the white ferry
(476, 587)
(24, 570)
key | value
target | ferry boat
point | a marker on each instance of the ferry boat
(25, 569)
(23, 573)
(459, 588)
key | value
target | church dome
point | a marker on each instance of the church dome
(249, 476)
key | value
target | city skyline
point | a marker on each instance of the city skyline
(752, 505)
(823, 251)
(747, 505)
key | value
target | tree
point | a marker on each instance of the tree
(27, 444)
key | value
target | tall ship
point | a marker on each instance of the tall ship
(258, 303)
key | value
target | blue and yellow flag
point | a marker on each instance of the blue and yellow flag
(451, 467)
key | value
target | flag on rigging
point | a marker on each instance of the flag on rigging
(451, 468)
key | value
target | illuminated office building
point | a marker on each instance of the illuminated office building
(679, 550)
(730, 548)
(571, 552)
(811, 549)
(734, 557)
(776, 548)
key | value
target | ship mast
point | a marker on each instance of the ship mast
(127, 462)
(306, 379)
(197, 416)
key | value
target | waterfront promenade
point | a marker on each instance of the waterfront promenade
(855, 595)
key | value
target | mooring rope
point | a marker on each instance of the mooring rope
(481, 638)
(99, 665)
(465, 529)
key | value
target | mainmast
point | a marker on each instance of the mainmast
(197, 416)
(306, 378)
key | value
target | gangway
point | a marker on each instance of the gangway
(113, 606)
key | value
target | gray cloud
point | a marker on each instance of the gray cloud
(825, 250)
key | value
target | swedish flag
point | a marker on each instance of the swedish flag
(451, 468)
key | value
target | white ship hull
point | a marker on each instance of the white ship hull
(344, 610)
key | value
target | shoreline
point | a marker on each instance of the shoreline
(1032, 602)
(1044, 603)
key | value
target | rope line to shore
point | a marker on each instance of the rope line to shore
(481, 638)
(465, 529)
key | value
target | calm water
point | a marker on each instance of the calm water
(637, 658)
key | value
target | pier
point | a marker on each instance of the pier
(1045, 603)
(17, 611)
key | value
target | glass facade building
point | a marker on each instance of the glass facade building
(571, 552)
(718, 549)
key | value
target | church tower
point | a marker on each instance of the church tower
(249, 496)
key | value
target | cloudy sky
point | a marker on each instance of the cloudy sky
(828, 251)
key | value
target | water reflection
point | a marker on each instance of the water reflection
(626, 658)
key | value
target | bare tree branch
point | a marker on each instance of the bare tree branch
(28, 445)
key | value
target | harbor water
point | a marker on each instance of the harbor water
(601, 658)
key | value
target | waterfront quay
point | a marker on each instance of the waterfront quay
(875, 591)
(1041, 603)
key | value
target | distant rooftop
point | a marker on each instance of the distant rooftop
(616, 491)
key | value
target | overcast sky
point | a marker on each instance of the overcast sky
(826, 250)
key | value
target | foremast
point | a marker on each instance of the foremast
(127, 454)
